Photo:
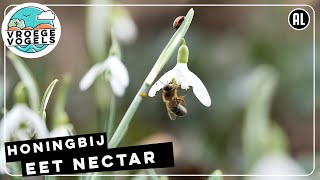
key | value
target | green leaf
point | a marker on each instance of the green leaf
(58, 115)
(28, 80)
(257, 116)
(120, 138)
(46, 97)
(216, 176)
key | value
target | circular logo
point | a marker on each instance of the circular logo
(299, 19)
(31, 30)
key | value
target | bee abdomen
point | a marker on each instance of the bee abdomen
(179, 110)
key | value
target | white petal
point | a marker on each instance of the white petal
(198, 87)
(119, 79)
(119, 71)
(12, 122)
(125, 29)
(116, 87)
(92, 74)
(181, 75)
(165, 79)
(22, 114)
(34, 120)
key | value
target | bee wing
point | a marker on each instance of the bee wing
(171, 115)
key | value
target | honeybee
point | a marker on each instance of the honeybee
(173, 101)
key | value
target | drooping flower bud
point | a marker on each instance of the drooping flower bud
(183, 53)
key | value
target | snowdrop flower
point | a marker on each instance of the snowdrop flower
(277, 164)
(183, 77)
(21, 124)
(124, 27)
(61, 131)
(119, 77)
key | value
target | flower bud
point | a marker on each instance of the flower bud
(183, 54)
(20, 93)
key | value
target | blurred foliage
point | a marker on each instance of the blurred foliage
(257, 121)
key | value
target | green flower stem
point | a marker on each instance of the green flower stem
(173, 44)
(124, 124)
(97, 43)
(110, 125)
(115, 49)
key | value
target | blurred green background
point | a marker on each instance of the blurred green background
(227, 45)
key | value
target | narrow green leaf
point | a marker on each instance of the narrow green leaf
(257, 117)
(58, 115)
(27, 79)
(46, 97)
(120, 138)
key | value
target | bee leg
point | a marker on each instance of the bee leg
(181, 100)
